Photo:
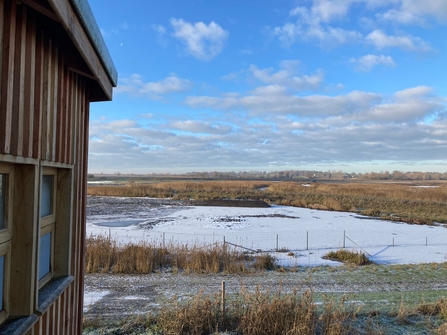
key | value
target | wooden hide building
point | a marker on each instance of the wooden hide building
(53, 63)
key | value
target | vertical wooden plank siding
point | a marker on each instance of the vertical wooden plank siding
(2, 19)
(30, 70)
(44, 113)
(18, 88)
(7, 79)
(38, 94)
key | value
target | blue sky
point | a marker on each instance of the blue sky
(352, 85)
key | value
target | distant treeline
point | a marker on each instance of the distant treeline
(295, 175)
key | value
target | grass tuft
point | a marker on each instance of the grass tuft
(349, 257)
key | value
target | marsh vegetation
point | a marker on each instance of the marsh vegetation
(407, 202)
(350, 299)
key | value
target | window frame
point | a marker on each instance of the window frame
(5, 249)
(47, 224)
(5, 233)
(6, 237)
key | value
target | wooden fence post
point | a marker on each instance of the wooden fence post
(223, 303)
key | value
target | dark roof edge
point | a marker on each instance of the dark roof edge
(87, 19)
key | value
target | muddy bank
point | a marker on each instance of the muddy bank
(230, 203)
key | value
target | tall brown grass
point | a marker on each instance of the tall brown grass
(260, 313)
(106, 256)
(348, 256)
(391, 201)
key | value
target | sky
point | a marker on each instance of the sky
(271, 85)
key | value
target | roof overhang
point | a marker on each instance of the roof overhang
(77, 19)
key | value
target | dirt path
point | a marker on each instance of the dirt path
(124, 295)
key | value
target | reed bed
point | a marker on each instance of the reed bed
(260, 313)
(348, 256)
(106, 256)
(391, 201)
(267, 313)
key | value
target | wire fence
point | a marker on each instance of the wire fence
(300, 240)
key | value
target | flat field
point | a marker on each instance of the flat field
(410, 267)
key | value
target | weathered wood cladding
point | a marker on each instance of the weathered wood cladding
(40, 97)
(44, 114)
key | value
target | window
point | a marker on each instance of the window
(3, 218)
(6, 177)
(47, 225)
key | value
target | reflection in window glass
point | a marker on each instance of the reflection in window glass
(2, 201)
(2, 278)
(46, 206)
(44, 255)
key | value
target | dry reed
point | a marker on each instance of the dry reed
(347, 256)
(103, 255)
(392, 201)
(261, 313)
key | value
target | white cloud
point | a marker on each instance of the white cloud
(286, 77)
(368, 62)
(407, 42)
(409, 105)
(233, 76)
(275, 99)
(136, 86)
(327, 10)
(351, 128)
(202, 127)
(399, 16)
(161, 31)
(327, 36)
(202, 41)
(158, 28)
(312, 23)
(416, 11)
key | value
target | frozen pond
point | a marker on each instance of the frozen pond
(308, 233)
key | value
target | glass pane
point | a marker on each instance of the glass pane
(3, 201)
(46, 206)
(2, 279)
(44, 255)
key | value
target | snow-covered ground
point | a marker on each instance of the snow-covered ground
(309, 234)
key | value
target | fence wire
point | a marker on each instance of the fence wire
(299, 240)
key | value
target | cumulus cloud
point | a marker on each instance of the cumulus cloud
(368, 62)
(135, 85)
(355, 127)
(202, 127)
(416, 12)
(202, 41)
(327, 36)
(286, 77)
(276, 100)
(407, 42)
(313, 23)
(409, 105)
(318, 23)
(326, 10)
